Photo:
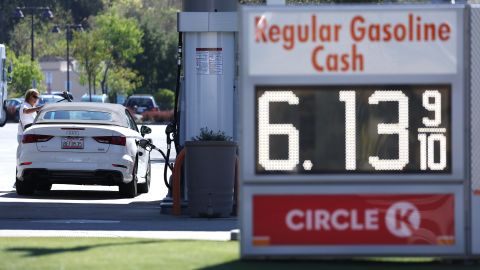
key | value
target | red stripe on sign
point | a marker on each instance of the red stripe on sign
(209, 49)
(394, 219)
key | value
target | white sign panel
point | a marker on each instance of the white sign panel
(393, 42)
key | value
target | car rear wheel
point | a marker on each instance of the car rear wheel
(145, 187)
(24, 188)
(129, 190)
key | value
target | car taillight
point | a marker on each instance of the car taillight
(117, 140)
(34, 138)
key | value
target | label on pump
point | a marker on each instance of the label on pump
(209, 61)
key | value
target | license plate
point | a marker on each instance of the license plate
(72, 143)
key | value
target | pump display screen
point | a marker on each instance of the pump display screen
(353, 129)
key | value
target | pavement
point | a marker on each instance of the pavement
(97, 211)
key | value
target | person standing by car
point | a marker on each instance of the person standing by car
(28, 111)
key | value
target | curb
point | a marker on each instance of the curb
(161, 235)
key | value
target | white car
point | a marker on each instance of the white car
(85, 144)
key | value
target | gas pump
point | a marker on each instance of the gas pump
(205, 94)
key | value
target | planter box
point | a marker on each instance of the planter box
(210, 176)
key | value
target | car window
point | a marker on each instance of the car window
(77, 115)
(131, 121)
(132, 102)
(140, 102)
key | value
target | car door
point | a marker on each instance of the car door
(142, 155)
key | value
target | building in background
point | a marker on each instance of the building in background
(55, 72)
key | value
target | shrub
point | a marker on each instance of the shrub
(165, 99)
(207, 134)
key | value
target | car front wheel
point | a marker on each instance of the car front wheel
(129, 190)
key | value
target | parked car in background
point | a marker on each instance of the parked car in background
(12, 106)
(95, 98)
(141, 103)
(44, 99)
(83, 143)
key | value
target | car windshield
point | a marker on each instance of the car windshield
(77, 115)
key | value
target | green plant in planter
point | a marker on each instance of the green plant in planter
(207, 134)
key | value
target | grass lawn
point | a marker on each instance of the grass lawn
(125, 253)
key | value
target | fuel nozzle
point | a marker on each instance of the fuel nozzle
(170, 130)
(145, 143)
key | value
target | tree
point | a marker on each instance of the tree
(46, 42)
(77, 10)
(7, 20)
(105, 51)
(24, 71)
(122, 81)
(165, 99)
(82, 10)
(158, 62)
(122, 42)
(90, 50)
(158, 20)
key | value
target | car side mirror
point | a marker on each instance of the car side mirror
(145, 130)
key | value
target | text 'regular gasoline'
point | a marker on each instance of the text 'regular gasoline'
(324, 58)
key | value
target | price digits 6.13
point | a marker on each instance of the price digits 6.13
(431, 136)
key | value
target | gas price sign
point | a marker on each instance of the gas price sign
(353, 129)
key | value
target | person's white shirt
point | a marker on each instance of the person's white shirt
(25, 118)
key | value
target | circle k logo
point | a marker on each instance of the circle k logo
(402, 219)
